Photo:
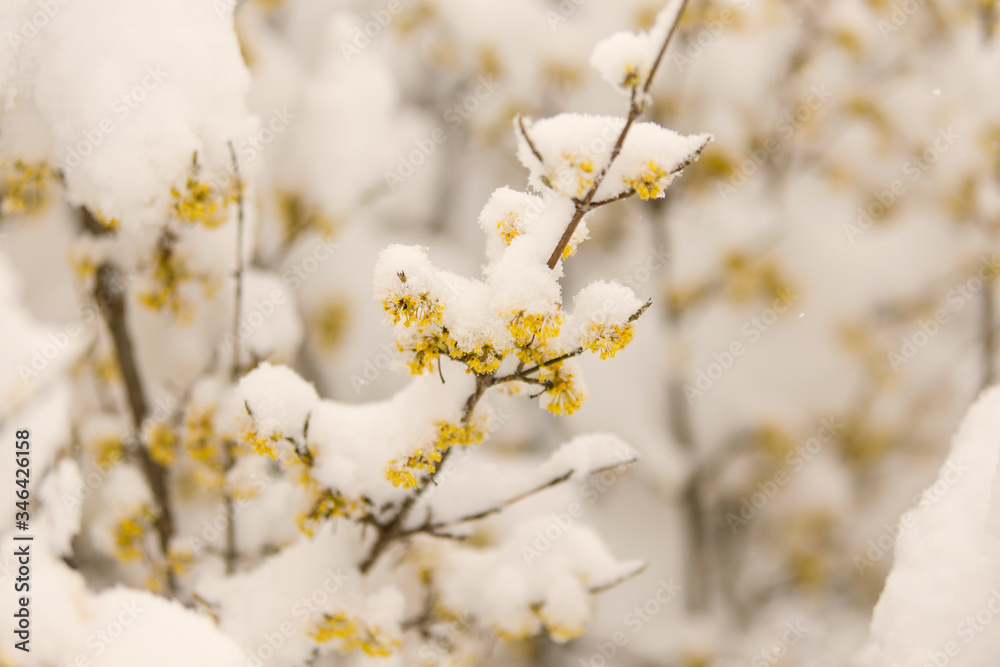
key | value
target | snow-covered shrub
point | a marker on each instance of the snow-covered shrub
(197, 463)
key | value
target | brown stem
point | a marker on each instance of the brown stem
(636, 106)
(109, 292)
(394, 529)
(496, 509)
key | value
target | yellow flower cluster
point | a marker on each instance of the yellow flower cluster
(261, 445)
(582, 171)
(107, 451)
(559, 632)
(481, 359)
(161, 441)
(420, 310)
(631, 78)
(168, 274)
(351, 636)
(25, 187)
(426, 350)
(531, 331)
(199, 203)
(200, 441)
(651, 183)
(329, 504)
(130, 533)
(402, 472)
(562, 398)
(330, 324)
(297, 217)
(510, 227)
(606, 339)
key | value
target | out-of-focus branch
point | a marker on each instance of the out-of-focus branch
(109, 292)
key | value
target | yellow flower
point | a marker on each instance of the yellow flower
(260, 444)
(510, 227)
(297, 216)
(199, 441)
(161, 441)
(582, 170)
(402, 471)
(331, 323)
(348, 632)
(420, 310)
(481, 359)
(527, 326)
(651, 182)
(169, 274)
(334, 626)
(130, 532)
(199, 203)
(561, 397)
(326, 505)
(25, 188)
(607, 339)
(108, 450)
(426, 350)
(631, 77)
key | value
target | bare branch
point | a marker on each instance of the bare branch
(496, 509)
(109, 291)
(527, 139)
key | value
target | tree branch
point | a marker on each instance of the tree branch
(637, 104)
(109, 292)
(237, 368)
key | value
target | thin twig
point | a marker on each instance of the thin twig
(237, 369)
(496, 509)
(237, 310)
(637, 104)
(527, 139)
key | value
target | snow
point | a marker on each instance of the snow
(576, 149)
(939, 597)
(625, 59)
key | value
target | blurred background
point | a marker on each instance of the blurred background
(822, 279)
